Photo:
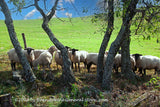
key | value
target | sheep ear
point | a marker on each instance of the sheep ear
(76, 49)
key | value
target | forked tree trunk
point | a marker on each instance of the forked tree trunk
(105, 40)
(127, 18)
(27, 71)
(67, 74)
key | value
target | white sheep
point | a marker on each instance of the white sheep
(78, 56)
(58, 56)
(37, 52)
(117, 62)
(14, 58)
(92, 58)
(147, 62)
(45, 59)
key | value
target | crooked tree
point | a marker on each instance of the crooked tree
(106, 39)
(67, 74)
(127, 18)
(27, 71)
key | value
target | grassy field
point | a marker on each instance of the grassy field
(79, 34)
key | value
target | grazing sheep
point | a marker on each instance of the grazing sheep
(92, 58)
(117, 62)
(14, 58)
(147, 62)
(58, 56)
(78, 56)
(37, 52)
(45, 59)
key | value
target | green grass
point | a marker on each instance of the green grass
(78, 34)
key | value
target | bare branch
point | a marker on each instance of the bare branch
(53, 10)
(75, 8)
(142, 18)
(59, 18)
(28, 6)
(39, 9)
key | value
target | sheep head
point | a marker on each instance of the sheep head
(74, 50)
(137, 56)
(29, 49)
(52, 49)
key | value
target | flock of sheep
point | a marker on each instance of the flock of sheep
(45, 57)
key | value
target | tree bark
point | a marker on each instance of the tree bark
(127, 18)
(105, 40)
(67, 74)
(125, 47)
(125, 59)
(5, 101)
(27, 71)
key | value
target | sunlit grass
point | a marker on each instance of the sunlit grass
(78, 34)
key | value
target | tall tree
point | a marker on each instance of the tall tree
(125, 48)
(127, 18)
(67, 75)
(105, 39)
(27, 71)
(146, 13)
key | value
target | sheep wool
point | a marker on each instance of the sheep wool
(13, 57)
(45, 59)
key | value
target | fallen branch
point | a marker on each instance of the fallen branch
(139, 99)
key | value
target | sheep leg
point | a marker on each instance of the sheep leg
(75, 66)
(72, 64)
(134, 69)
(116, 68)
(49, 66)
(144, 72)
(84, 64)
(155, 71)
(88, 67)
(79, 66)
(140, 70)
(13, 65)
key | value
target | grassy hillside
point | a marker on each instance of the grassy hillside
(76, 34)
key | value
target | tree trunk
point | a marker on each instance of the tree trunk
(125, 47)
(129, 14)
(105, 40)
(67, 75)
(126, 62)
(125, 59)
(27, 71)
(5, 101)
